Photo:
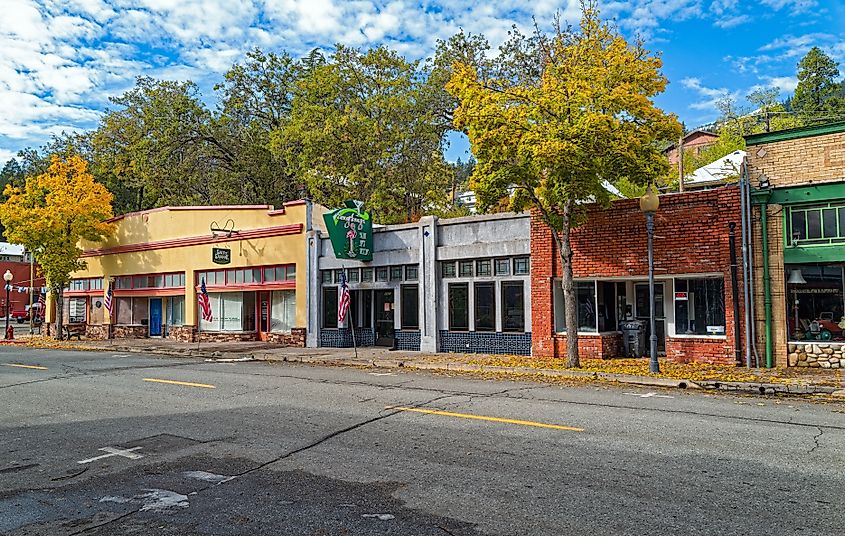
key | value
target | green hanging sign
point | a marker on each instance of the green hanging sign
(351, 232)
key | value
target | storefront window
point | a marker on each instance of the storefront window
(329, 307)
(410, 307)
(175, 310)
(700, 306)
(283, 311)
(513, 306)
(231, 311)
(595, 305)
(485, 307)
(131, 311)
(459, 307)
(815, 307)
(76, 312)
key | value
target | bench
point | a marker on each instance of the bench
(74, 331)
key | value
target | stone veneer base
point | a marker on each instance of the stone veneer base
(816, 354)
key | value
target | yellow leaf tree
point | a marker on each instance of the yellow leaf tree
(49, 216)
(565, 112)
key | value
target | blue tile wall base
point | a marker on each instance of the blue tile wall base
(487, 342)
(408, 340)
(342, 338)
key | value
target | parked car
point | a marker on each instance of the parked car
(21, 315)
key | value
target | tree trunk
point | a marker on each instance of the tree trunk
(60, 312)
(568, 286)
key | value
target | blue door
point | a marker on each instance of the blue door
(155, 317)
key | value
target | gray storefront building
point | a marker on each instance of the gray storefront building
(448, 285)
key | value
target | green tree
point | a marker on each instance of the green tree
(816, 96)
(51, 214)
(362, 127)
(585, 115)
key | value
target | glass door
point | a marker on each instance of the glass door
(263, 315)
(155, 317)
(643, 311)
(384, 317)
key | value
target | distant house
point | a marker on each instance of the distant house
(695, 141)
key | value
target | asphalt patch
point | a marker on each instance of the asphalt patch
(170, 499)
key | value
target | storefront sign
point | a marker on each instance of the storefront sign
(680, 296)
(221, 255)
(351, 232)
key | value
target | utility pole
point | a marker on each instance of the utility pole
(681, 163)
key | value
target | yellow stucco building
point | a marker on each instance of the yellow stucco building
(251, 259)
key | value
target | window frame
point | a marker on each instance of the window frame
(477, 316)
(512, 284)
(451, 309)
(414, 311)
(676, 302)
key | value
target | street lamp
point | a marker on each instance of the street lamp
(8, 278)
(649, 204)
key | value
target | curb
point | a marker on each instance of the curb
(757, 388)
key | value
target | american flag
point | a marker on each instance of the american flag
(205, 303)
(343, 299)
(109, 301)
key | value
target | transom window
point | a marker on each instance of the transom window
(89, 283)
(126, 282)
(267, 275)
(816, 224)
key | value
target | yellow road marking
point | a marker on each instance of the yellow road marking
(36, 367)
(485, 418)
(174, 382)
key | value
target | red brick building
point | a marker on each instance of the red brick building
(694, 142)
(20, 278)
(693, 290)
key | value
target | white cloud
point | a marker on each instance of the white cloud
(707, 96)
(784, 83)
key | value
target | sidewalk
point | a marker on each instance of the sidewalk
(629, 371)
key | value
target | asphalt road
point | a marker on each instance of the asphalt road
(96, 443)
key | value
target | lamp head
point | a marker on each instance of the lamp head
(8, 276)
(796, 277)
(650, 201)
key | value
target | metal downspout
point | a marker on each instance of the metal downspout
(767, 291)
(745, 271)
(752, 313)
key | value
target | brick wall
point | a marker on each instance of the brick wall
(809, 160)
(700, 350)
(599, 346)
(691, 237)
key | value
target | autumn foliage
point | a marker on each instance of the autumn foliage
(52, 213)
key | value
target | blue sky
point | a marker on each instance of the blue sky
(60, 60)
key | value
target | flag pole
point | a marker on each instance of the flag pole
(352, 326)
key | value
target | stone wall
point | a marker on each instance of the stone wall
(129, 332)
(296, 337)
(98, 332)
(226, 336)
(816, 354)
(182, 333)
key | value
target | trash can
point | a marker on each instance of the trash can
(633, 338)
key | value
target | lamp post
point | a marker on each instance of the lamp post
(649, 204)
(8, 278)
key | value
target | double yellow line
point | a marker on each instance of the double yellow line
(187, 384)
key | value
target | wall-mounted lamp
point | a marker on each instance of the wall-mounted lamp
(764, 182)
